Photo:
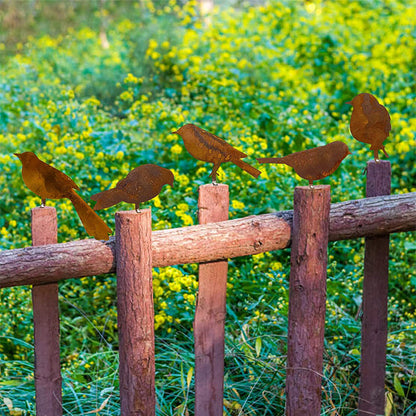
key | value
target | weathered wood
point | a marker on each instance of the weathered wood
(201, 243)
(210, 311)
(135, 313)
(375, 301)
(48, 380)
(307, 298)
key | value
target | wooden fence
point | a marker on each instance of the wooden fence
(136, 249)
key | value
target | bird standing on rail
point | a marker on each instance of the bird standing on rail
(50, 183)
(140, 185)
(207, 147)
(370, 122)
(313, 164)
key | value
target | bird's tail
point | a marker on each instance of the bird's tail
(93, 224)
(270, 160)
(106, 199)
(248, 168)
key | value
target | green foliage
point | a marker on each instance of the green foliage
(270, 80)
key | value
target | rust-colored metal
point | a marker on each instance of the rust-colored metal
(140, 185)
(135, 313)
(370, 122)
(50, 183)
(314, 164)
(210, 311)
(207, 147)
(307, 297)
(375, 302)
(48, 380)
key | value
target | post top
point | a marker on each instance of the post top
(43, 209)
(214, 186)
(378, 162)
(314, 188)
(134, 213)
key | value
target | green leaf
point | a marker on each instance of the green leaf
(355, 351)
(189, 376)
(398, 387)
(258, 346)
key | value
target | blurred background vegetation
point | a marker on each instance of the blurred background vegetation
(95, 87)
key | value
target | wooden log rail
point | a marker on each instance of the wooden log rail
(209, 242)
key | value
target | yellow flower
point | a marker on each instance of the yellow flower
(237, 204)
(126, 96)
(176, 149)
(130, 78)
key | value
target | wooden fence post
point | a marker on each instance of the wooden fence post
(135, 313)
(307, 300)
(375, 292)
(210, 311)
(48, 380)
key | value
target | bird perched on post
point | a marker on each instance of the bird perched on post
(50, 183)
(370, 122)
(316, 163)
(140, 185)
(207, 147)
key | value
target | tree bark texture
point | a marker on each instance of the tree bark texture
(375, 301)
(210, 311)
(135, 313)
(209, 242)
(307, 298)
(48, 380)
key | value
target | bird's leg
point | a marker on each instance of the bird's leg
(42, 205)
(384, 151)
(311, 184)
(375, 151)
(137, 207)
(213, 174)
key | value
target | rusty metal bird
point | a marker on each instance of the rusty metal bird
(140, 185)
(370, 122)
(207, 147)
(316, 163)
(50, 183)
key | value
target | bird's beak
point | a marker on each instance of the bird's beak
(349, 102)
(174, 132)
(17, 154)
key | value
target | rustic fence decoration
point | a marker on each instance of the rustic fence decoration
(307, 300)
(136, 250)
(142, 184)
(135, 312)
(374, 304)
(207, 147)
(48, 380)
(313, 164)
(210, 311)
(50, 183)
(370, 122)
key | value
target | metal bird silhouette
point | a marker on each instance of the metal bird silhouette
(316, 163)
(207, 147)
(50, 183)
(370, 122)
(140, 185)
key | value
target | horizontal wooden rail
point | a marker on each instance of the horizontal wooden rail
(201, 243)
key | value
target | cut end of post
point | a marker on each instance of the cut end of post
(134, 213)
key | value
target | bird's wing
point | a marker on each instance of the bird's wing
(142, 183)
(219, 144)
(54, 178)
